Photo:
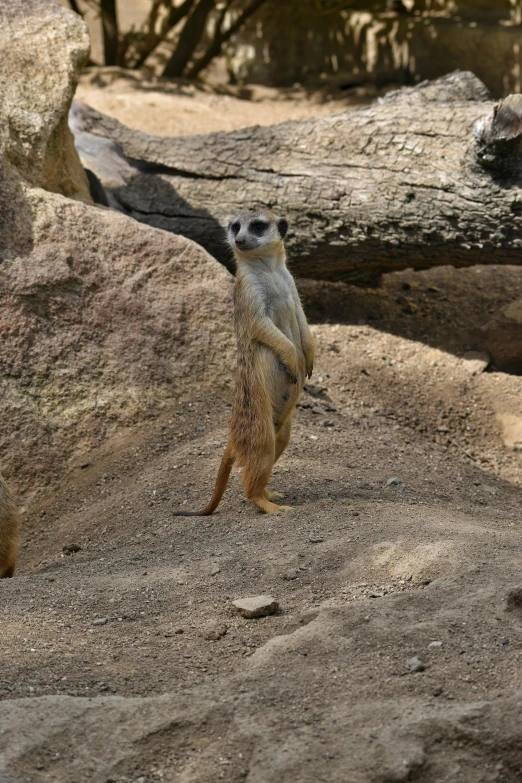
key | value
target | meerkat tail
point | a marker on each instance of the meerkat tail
(221, 484)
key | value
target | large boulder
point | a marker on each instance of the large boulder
(43, 48)
(102, 319)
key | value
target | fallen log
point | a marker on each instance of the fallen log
(426, 176)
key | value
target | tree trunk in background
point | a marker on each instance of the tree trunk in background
(415, 180)
(153, 38)
(110, 31)
(189, 39)
(222, 36)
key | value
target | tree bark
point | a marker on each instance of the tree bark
(429, 175)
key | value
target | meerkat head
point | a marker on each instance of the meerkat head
(256, 232)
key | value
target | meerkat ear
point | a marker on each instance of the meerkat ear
(282, 227)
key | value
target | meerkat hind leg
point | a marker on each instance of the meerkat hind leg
(282, 438)
(281, 442)
(255, 478)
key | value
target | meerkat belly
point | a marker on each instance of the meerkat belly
(284, 393)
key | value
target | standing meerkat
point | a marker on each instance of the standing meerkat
(275, 353)
(9, 531)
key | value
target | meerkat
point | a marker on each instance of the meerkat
(275, 354)
(9, 531)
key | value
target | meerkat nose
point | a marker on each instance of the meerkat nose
(240, 242)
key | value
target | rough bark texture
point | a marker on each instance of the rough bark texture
(415, 180)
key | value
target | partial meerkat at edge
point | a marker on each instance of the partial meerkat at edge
(9, 531)
(275, 354)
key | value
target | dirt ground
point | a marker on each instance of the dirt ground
(122, 656)
(182, 108)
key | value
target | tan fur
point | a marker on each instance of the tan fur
(275, 353)
(9, 531)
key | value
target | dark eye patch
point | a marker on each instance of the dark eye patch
(258, 227)
(234, 227)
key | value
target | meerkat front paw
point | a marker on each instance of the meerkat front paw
(292, 370)
(309, 356)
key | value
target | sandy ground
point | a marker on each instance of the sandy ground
(403, 542)
(182, 108)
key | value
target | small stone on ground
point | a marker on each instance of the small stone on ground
(257, 606)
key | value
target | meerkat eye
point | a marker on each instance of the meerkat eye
(258, 227)
(234, 227)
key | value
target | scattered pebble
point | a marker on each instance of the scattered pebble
(319, 411)
(291, 574)
(69, 549)
(215, 570)
(215, 632)
(415, 664)
(434, 644)
(100, 621)
(395, 481)
(437, 690)
(257, 606)
(315, 391)
(425, 580)
(314, 539)
(503, 642)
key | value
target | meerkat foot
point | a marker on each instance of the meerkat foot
(274, 495)
(267, 506)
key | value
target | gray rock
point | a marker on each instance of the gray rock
(126, 291)
(215, 570)
(315, 539)
(100, 621)
(257, 606)
(434, 644)
(415, 664)
(36, 91)
(394, 482)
